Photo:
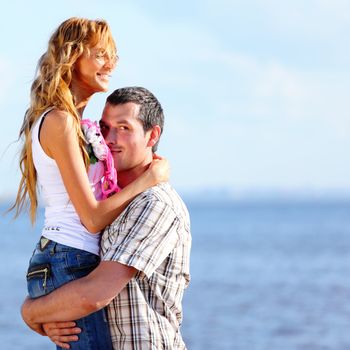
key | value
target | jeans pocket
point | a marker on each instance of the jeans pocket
(39, 280)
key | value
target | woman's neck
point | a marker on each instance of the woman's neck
(80, 108)
(81, 98)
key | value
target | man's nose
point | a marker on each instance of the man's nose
(111, 137)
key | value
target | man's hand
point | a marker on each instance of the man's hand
(62, 332)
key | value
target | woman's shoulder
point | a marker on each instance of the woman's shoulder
(58, 115)
(58, 119)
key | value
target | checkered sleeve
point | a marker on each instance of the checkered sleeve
(145, 238)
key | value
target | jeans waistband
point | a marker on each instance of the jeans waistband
(47, 244)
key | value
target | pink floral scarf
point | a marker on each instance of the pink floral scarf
(99, 152)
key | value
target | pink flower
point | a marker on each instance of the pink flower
(94, 138)
(100, 151)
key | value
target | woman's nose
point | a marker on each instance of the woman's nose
(110, 63)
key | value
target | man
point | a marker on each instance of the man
(144, 265)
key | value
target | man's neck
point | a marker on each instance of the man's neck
(128, 176)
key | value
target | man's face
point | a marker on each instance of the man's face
(125, 136)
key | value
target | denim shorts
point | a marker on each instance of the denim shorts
(52, 265)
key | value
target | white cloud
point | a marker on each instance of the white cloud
(279, 82)
(257, 88)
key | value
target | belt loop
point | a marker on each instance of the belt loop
(53, 248)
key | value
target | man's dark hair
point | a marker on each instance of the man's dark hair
(151, 112)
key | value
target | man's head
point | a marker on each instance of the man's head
(132, 122)
(150, 110)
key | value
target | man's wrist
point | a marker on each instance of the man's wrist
(25, 310)
(27, 317)
(26, 313)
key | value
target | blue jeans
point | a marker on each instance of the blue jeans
(57, 264)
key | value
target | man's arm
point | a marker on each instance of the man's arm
(81, 297)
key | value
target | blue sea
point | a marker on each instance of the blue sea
(266, 275)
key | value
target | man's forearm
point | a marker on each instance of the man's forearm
(70, 302)
(81, 297)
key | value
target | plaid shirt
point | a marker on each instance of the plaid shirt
(153, 236)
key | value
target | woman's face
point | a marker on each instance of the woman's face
(92, 70)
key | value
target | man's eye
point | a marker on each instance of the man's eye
(123, 128)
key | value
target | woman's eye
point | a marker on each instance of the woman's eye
(100, 54)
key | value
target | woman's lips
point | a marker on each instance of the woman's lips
(103, 76)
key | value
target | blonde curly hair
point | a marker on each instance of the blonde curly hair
(51, 88)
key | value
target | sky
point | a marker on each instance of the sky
(255, 93)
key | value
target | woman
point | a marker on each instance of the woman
(80, 57)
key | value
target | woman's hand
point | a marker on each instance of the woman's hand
(159, 169)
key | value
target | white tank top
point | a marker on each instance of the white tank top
(62, 223)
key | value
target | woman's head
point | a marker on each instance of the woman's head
(74, 40)
(61, 70)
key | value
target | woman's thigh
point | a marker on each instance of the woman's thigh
(56, 265)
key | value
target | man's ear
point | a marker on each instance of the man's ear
(154, 136)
